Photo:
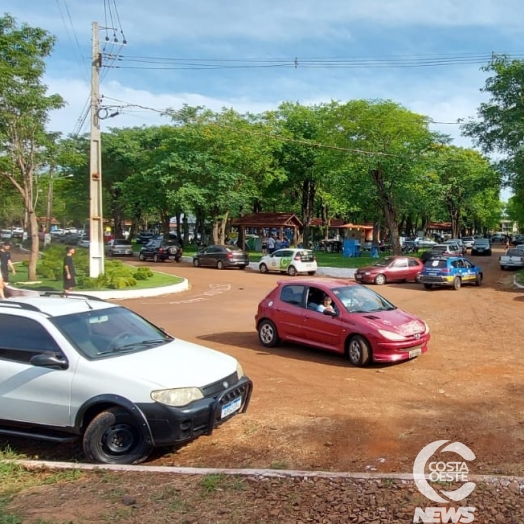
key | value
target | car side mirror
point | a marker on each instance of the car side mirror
(49, 359)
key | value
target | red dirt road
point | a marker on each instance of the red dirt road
(313, 411)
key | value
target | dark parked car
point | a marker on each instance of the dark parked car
(221, 257)
(161, 250)
(481, 246)
(119, 247)
(390, 269)
(144, 237)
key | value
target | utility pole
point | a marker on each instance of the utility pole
(96, 222)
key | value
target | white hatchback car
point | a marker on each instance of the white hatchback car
(77, 367)
(289, 260)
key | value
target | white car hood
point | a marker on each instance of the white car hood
(177, 364)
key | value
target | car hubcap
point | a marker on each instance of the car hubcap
(119, 439)
(354, 352)
(266, 333)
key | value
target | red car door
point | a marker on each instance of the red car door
(398, 269)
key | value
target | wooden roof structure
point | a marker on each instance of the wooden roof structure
(270, 220)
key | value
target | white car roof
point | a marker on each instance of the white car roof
(58, 306)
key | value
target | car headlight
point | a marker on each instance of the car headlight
(390, 335)
(240, 371)
(176, 397)
(426, 329)
(367, 272)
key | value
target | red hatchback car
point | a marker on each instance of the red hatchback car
(390, 269)
(361, 324)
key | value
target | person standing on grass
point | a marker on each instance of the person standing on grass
(6, 263)
(69, 270)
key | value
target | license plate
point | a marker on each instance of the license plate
(231, 407)
(415, 353)
(358, 277)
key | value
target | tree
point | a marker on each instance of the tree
(24, 110)
(386, 149)
(500, 124)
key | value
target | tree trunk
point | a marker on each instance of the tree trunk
(390, 212)
(35, 245)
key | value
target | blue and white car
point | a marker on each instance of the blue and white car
(450, 271)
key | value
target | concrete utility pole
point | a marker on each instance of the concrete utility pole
(96, 222)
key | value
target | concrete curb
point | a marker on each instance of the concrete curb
(282, 473)
(516, 284)
(121, 294)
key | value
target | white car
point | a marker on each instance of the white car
(77, 367)
(513, 257)
(289, 260)
(424, 242)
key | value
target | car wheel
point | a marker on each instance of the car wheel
(359, 351)
(503, 268)
(311, 273)
(263, 268)
(241, 267)
(473, 253)
(417, 279)
(428, 286)
(196, 262)
(220, 264)
(115, 437)
(141, 257)
(456, 283)
(380, 279)
(268, 334)
(291, 271)
(156, 258)
(478, 280)
(489, 253)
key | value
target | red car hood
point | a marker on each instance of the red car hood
(396, 320)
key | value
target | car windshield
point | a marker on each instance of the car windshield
(482, 241)
(109, 332)
(514, 253)
(384, 262)
(122, 242)
(360, 299)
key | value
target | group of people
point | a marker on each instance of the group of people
(6, 266)
(271, 244)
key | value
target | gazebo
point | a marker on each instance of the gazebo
(279, 221)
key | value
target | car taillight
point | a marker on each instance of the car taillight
(445, 270)
(160, 249)
(230, 255)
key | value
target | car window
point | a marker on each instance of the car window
(399, 262)
(22, 338)
(412, 262)
(360, 299)
(436, 263)
(292, 294)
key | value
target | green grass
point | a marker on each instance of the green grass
(21, 280)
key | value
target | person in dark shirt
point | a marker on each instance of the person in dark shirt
(69, 270)
(6, 263)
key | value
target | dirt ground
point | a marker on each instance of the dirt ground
(313, 411)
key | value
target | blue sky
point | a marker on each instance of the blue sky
(245, 32)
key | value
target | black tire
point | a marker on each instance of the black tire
(196, 262)
(292, 271)
(268, 334)
(359, 351)
(220, 264)
(141, 256)
(311, 273)
(473, 253)
(241, 267)
(156, 258)
(115, 437)
(263, 268)
(428, 286)
(456, 283)
(503, 268)
(178, 260)
(380, 279)
(478, 280)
